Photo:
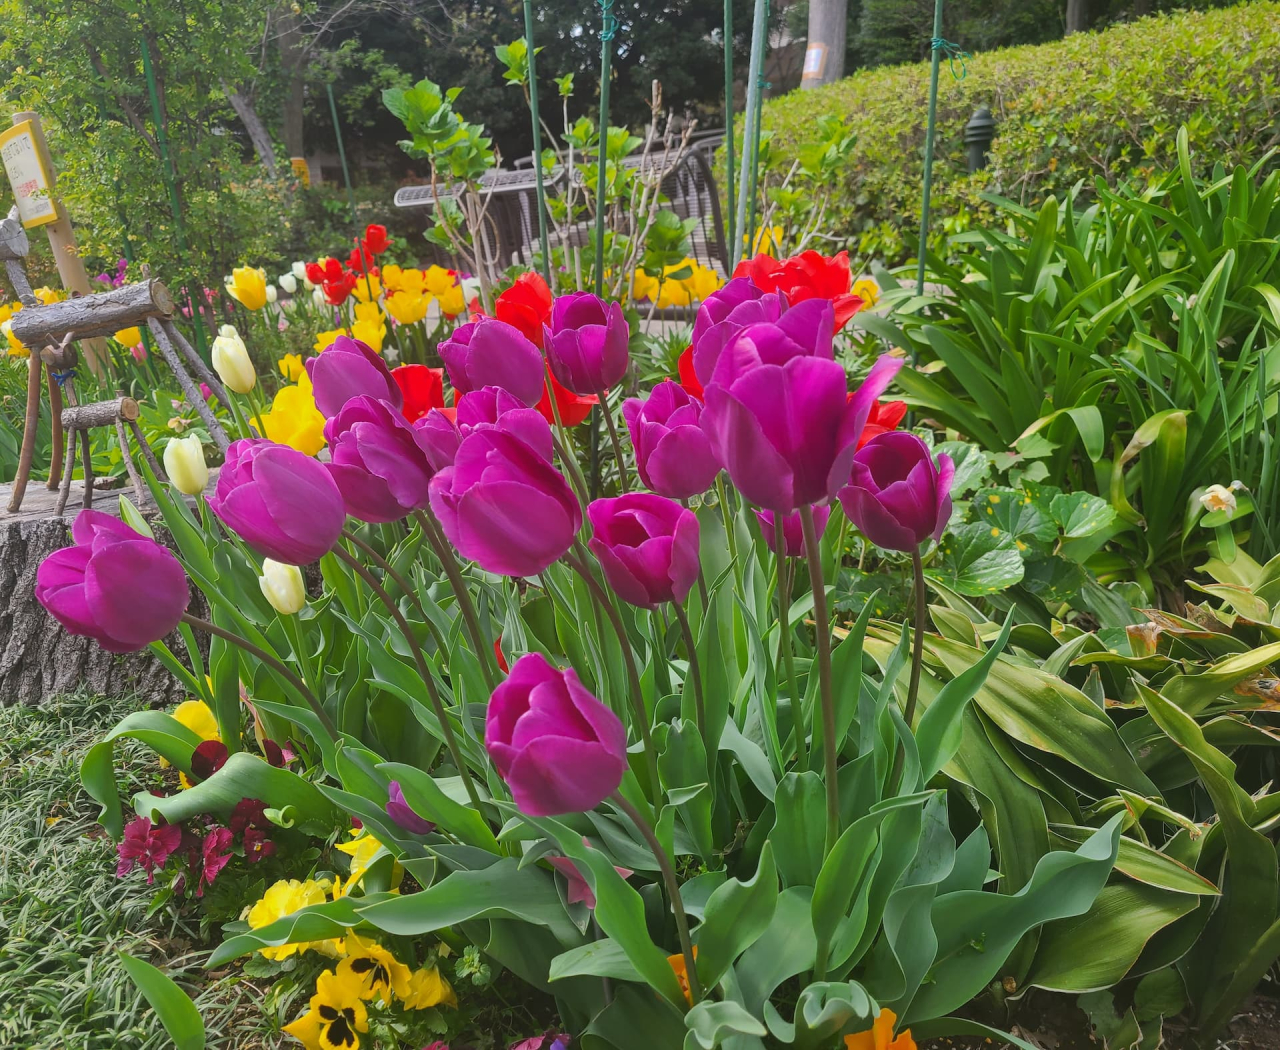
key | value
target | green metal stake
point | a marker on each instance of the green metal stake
(342, 156)
(537, 142)
(936, 47)
(728, 121)
(608, 30)
(751, 145)
(755, 149)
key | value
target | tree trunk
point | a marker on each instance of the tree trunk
(38, 659)
(1141, 8)
(824, 54)
(1077, 16)
(293, 61)
(257, 130)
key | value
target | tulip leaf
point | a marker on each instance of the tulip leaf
(823, 1010)
(977, 559)
(426, 798)
(1144, 864)
(785, 949)
(736, 915)
(172, 1005)
(602, 958)
(800, 829)
(1095, 950)
(710, 1022)
(751, 758)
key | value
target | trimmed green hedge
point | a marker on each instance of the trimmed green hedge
(1095, 104)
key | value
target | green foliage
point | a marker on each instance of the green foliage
(1094, 104)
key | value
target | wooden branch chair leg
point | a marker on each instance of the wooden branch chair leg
(129, 466)
(29, 424)
(161, 332)
(202, 371)
(55, 443)
(86, 453)
(64, 492)
(145, 447)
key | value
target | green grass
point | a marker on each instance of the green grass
(64, 915)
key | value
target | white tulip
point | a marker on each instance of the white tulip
(299, 270)
(272, 294)
(317, 297)
(231, 362)
(185, 465)
(289, 283)
(282, 585)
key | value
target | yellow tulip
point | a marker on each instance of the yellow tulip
(248, 286)
(48, 295)
(129, 337)
(452, 301)
(326, 339)
(413, 281)
(15, 347)
(291, 367)
(185, 465)
(368, 287)
(294, 419)
(407, 308)
(371, 333)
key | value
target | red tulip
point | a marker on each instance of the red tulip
(360, 260)
(336, 291)
(376, 239)
(503, 666)
(574, 408)
(688, 377)
(422, 388)
(884, 417)
(809, 275)
(526, 305)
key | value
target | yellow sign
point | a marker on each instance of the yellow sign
(300, 170)
(27, 176)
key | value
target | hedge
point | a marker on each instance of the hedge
(1095, 104)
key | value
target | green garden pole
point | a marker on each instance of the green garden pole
(728, 121)
(342, 156)
(755, 149)
(537, 142)
(936, 48)
(608, 30)
(751, 145)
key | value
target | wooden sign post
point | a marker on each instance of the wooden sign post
(27, 163)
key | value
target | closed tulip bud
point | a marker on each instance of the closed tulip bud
(299, 270)
(896, 494)
(282, 585)
(272, 294)
(289, 283)
(493, 353)
(115, 585)
(378, 460)
(647, 546)
(559, 749)
(349, 368)
(231, 362)
(586, 342)
(248, 286)
(184, 463)
(229, 330)
(792, 530)
(673, 455)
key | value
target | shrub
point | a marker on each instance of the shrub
(1096, 104)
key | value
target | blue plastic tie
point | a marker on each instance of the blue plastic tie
(61, 378)
(954, 53)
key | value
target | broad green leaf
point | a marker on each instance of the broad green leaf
(175, 1009)
(602, 958)
(426, 797)
(1079, 514)
(736, 914)
(977, 559)
(1192, 693)
(800, 829)
(1143, 863)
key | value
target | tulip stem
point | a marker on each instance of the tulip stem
(673, 891)
(917, 663)
(294, 632)
(822, 629)
(484, 648)
(562, 445)
(281, 669)
(624, 481)
(694, 672)
(784, 642)
(639, 714)
(730, 537)
(451, 741)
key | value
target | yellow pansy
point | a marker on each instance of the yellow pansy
(197, 716)
(291, 367)
(248, 286)
(362, 849)
(294, 419)
(427, 988)
(375, 970)
(335, 1015)
(408, 308)
(284, 898)
(128, 336)
(867, 290)
(368, 287)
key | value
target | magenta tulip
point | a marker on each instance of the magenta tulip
(896, 494)
(115, 585)
(726, 313)
(285, 505)
(792, 530)
(559, 749)
(504, 505)
(778, 412)
(441, 435)
(647, 546)
(493, 353)
(378, 460)
(673, 454)
(346, 369)
(586, 342)
(399, 810)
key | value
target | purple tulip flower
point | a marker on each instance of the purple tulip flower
(586, 343)
(647, 546)
(115, 585)
(347, 369)
(896, 494)
(792, 530)
(726, 313)
(493, 353)
(673, 455)
(481, 408)
(378, 460)
(285, 505)
(504, 505)
(559, 749)
(399, 810)
(778, 412)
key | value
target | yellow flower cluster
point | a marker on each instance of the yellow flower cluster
(14, 347)
(409, 292)
(697, 284)
(369, 326)
(294, 419)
